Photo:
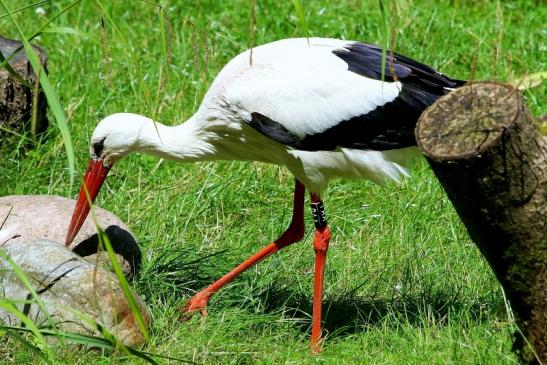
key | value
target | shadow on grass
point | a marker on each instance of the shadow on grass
(347, 313)
(184, 272)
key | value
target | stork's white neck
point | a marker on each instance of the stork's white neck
(203, 137)
(185, 142)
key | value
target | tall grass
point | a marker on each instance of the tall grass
(404, 283)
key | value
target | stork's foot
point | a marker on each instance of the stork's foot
(198, 303)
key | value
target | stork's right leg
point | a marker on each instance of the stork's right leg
(293, 234)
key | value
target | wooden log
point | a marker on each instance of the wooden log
(17, 99)
(489, 155)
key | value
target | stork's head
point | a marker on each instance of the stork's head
(113, 138)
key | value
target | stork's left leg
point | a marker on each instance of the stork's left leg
(320, 245)
(293, 234)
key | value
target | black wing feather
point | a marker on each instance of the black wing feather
(272, 129)
(389, 126)
(366, 60)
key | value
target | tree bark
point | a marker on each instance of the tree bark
(489, 155)
(16, 98)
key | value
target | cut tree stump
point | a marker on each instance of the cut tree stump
(18, 99)
(490, 157)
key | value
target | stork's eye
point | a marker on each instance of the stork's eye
(98, 147)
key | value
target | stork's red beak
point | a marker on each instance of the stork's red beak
(93, 180)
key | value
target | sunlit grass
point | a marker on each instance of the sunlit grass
(404, 284)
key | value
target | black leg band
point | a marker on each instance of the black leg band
(318, 213)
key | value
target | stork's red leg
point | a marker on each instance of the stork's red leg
(293, 234)
(320, 245)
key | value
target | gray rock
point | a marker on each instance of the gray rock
(69, 288)
(29, 217)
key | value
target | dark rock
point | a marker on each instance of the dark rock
(16, 98)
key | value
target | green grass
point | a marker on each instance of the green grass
(404, 283)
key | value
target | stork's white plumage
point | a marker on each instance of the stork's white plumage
(324, 108)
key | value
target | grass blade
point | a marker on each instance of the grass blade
(166, 40)
(68, 30)
(105, 242)
(385, 39)
(34, 112)
(39, 31)
(133, 56)
(86, 340)
(299, 9)
(25, 8)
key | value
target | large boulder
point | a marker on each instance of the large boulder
(29, 217)
(72, 290)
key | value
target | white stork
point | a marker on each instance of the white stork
(319, 107)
